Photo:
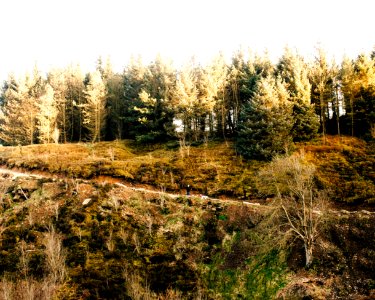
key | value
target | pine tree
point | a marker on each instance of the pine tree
(265, 122)
(212, 93)
(322, 79)
(57, 81)
(156, 111)
(94, 110)
(47, 116)
(74, 80)
(34, 89)
(133, 82)
(364, 106)
(12, 131)
(185, 100)
(236, 78)
(349, 88)
(116, 106)
(19, 109)
(293, 70)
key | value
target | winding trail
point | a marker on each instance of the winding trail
(16, 174)
(118, 182)
(121, 183)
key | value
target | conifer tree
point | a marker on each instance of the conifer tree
(47, 116)
(20, 108)
(133, 82)
(185, 100)
(293, 70)
(322, 80)
(12, 130)
(57, 81)
(265, 122)
(349, 88)
(236, 78)
(116, 106)
(115, 99)
(364, 106)
(212, 93)
(155, 110)
(34, 89)
(74, 80)
(94, 110)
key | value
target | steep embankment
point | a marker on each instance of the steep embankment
(213, 169)
(346, 169)
(346, 166)
(120, 242)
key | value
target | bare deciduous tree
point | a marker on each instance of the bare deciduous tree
(292, 178)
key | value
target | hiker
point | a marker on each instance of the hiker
(188, 188)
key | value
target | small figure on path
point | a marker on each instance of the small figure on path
(188, 188)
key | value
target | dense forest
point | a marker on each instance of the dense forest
(278, 157)
(263, 106)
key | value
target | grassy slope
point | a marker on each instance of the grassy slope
(127, 243)
(346, 166)
(213, 169)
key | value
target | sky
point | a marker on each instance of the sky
(56, 33)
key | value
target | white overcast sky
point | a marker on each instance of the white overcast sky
(55, 33)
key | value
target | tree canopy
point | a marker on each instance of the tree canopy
(263, 106)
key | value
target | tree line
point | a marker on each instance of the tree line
(263, 106)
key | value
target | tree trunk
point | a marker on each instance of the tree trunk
(322, 115)
(352, 113)
(308, 253)
(337, 111)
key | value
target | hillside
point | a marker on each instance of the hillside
(121, 240)
(213, 169)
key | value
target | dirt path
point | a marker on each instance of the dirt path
(120, 183)
(16, 174)
(116, 181)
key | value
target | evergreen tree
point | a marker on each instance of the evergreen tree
(322, 79)
(155, 110)
(116, 106)
(265, 122)
(47, 116)
(133, 82)
(94, 110)
(242, 81)
(212, 85)
(57, 82)
(12, 129)
(115, 99)
(350, 89)
(185, 100)
(20, 108)
(234, 99)
(293, 70)
(364, 106)
(75, 87)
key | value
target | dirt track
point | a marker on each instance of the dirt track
(118, 182)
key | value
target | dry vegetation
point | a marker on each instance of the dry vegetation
(212, 169)
(69, 238)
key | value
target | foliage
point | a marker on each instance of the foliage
(267, 275)
(265, 121)
(94, 110)
(156, 102)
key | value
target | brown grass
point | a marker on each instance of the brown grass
(212, 169)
